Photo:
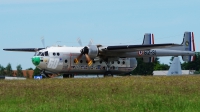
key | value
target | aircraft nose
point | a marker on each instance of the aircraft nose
(36, 61)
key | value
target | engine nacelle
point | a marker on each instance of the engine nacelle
(133, 63)
(93, 51)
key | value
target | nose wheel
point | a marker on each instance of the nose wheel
(46, 75)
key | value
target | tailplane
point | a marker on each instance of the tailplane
(189, 45)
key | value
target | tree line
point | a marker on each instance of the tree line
(141, 69)
(148, 68)
(8, 71)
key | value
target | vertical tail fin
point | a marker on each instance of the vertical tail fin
(148, 39)
(189, 45)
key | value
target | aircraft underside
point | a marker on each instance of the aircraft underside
(57, 66)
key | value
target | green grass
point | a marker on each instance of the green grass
(122, 94)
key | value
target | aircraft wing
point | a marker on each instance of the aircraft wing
(23, 49)
(132, 48)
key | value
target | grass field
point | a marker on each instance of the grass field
(122, 94)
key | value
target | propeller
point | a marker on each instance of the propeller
(43, 42)
(85, 52)
(90, 43)
(79, 41)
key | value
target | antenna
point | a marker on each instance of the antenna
(57, 43)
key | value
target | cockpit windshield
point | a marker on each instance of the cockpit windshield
(39, 54)
(42, 53)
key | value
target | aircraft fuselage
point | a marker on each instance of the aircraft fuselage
(61, 60)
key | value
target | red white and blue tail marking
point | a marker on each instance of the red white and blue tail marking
(192, 45)
(151, 39)
(151, 59)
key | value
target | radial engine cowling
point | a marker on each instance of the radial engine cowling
(93, 51)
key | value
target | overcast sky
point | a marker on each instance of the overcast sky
(107, 22)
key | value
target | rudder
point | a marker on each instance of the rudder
(148, 40)
(189, 45)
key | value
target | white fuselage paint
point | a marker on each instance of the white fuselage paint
(61, 60)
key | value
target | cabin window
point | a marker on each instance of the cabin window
(58, 54)
(112, 62)
(54, 54)
(118, 62)
(100, 62)
(65, 61)
(81, 61)
(123, 62)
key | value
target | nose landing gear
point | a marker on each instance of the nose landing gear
(108, 73)
(46, 75)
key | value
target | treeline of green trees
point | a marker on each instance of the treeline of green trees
(142, 68)
(8, 71)
(148, 68)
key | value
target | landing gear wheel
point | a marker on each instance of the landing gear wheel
(108, 74)
(47, 75)
(44, 76)
(72, 76)
(68, 75)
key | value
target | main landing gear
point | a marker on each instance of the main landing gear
(108, 73)
(68, 75)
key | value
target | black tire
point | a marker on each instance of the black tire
(108, 74)
(71, 75)
(66, 75)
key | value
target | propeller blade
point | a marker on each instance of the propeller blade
(79, 41)
(88, 60)
(76, 60)
(90, 43)
(43, 41)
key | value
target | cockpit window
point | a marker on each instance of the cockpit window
(42, 54)
(39, 54)
(46, 53)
